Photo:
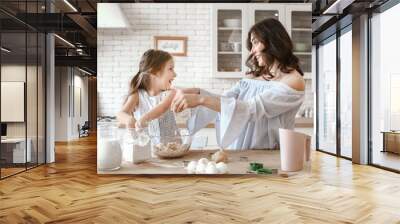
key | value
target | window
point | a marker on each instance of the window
(22, 66)
(326, 93)
(346, 92)
(385, 89)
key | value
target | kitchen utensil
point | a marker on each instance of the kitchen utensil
(300, 47)
(171, 146)
(232, 23)
(237, 46)
(293, 149)
(109, 153)
(136, 145)
(225, 46)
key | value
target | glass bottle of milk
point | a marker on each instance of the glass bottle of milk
(109, 153)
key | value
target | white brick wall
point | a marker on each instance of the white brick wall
(119, 51)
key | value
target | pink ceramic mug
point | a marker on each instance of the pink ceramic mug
(292, 150)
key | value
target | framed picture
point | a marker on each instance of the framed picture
(176, 46)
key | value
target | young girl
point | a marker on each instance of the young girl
(150, 95)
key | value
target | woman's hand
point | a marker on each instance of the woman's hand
(183, 101)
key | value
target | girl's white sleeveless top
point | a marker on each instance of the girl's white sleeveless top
(164, 125)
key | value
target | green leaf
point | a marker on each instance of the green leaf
(256, 166)
(264, 171)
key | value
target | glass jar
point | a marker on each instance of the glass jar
(136, 145)
(109, 153)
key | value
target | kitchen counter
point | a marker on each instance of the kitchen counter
(238, 162)
(300, 122)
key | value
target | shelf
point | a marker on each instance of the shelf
(229, 52)
(302, 53)
(229, 28)
(302, 29)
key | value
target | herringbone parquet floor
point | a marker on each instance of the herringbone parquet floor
(70, 191)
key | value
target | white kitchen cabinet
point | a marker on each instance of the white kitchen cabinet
(229, 33)
(298, 25)
(231, 23)
(260, 11)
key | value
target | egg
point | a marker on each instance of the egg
(191, 168)
(220, 156)
(203, 161)
(222, 167)
(211, 168)
(200, 168)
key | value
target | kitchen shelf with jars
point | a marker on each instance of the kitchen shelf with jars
(231, 22)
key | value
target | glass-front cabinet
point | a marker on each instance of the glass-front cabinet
(229, 50)
(231, 23)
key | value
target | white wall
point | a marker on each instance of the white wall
(79, 117)
(119, 51)
(66, 81)
(33, 126)
(61, 103)
(12, 73)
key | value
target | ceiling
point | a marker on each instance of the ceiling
(76, 24)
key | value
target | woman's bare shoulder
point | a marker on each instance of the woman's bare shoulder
(294, 80)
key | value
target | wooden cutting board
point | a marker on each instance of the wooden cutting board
(238, 162)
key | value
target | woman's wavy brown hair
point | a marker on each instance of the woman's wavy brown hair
(278, 48)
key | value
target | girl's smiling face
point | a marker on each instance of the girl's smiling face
(167, 75)
(257, 51)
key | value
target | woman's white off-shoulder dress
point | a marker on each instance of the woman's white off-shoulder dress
(251, 114)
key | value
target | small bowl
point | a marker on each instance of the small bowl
(300, 47)
(225, 46)
(168, 147)
(232, 23)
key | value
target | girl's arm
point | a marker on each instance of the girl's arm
(158, 110)
(191, 90)
(183, 101)
(186, 90)
(125, 115)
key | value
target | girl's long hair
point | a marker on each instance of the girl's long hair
(151, 62)
(278, 48)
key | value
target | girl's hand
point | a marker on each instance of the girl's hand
(183, 101)
(130, 123)
(140, 124)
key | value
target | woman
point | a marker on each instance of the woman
(249, 115)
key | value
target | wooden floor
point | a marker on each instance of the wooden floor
(386, 159)
(70, 191)
(10, 171)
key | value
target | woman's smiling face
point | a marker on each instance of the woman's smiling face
(257, 50)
